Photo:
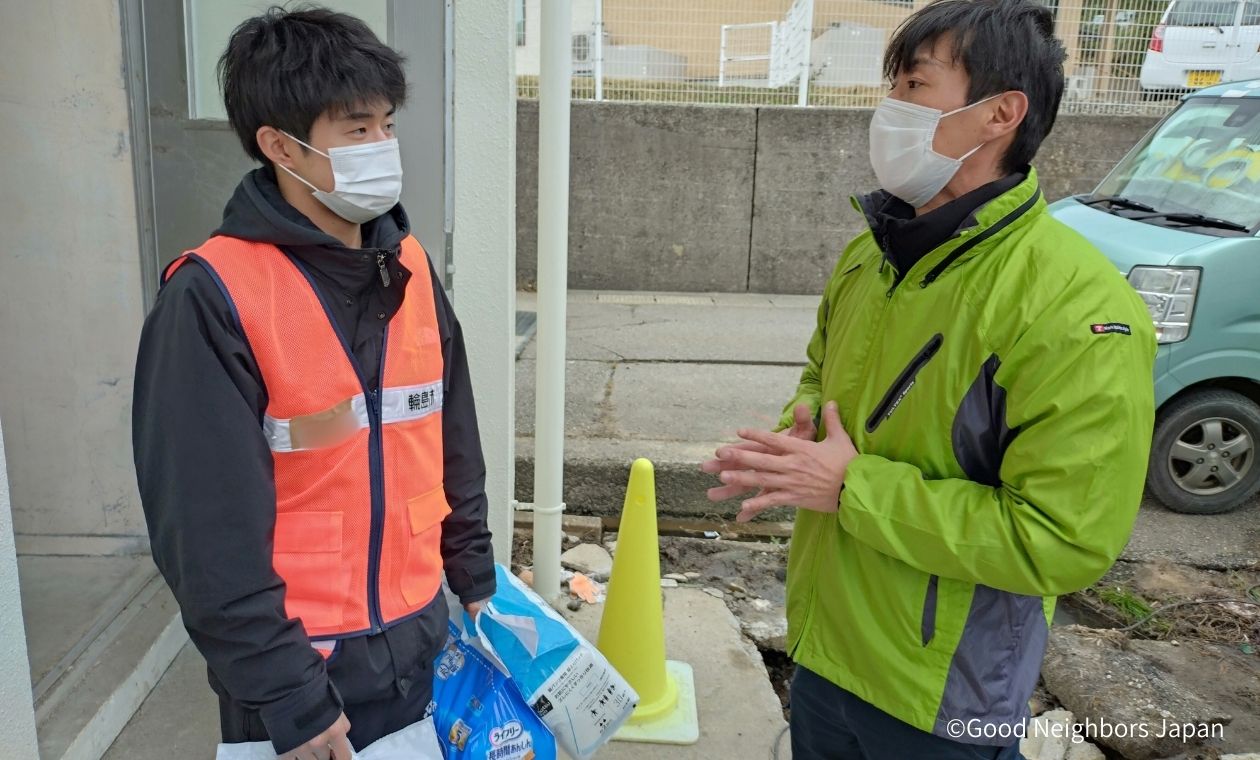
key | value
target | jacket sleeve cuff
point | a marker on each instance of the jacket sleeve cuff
(302, 715)
(472, 584)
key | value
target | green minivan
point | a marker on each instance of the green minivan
(1179, 216)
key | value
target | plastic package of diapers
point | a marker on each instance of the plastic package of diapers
(478, 712)
(566, 680)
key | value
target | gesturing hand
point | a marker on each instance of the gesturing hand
(803, 429)
(788, 470)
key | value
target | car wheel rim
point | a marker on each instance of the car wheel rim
(1211, 456)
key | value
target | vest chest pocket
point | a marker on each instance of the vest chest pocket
(422, 572)
(307, 554)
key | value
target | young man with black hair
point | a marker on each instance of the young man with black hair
(969, 437)
(305, 437)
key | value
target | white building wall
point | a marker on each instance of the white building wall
(71, 304)
(527, 57)
(484, 237)
(17, 713)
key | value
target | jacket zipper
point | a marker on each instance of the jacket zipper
(877, 334)
(904, 382)
(376, 457)
(376, 465)
(382, 259)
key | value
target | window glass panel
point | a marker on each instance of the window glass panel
(1251, 13)
(209, 23)
(1203, 13)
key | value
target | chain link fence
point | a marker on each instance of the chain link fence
(755, 52)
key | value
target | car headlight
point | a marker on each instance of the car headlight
(1169, 293)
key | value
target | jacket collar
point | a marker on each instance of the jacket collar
(1010, 210)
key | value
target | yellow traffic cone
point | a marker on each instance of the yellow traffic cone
(632, 631)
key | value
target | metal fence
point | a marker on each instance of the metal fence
(754, 52)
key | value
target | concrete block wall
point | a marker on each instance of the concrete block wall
(733, 199)
(659, 194)
(809, 161)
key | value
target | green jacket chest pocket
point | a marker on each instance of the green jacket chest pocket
(903, 384)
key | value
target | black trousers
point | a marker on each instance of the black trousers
(369, 721)
(385, 681)
(829, 723)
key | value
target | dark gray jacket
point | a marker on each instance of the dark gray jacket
(205, 474)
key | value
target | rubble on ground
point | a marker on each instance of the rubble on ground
(1096, 676)
(590, 560)
(763, 622)
(1090, 674)
(1052, 736)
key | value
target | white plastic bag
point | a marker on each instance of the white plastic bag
(580, 697)
(415, 742)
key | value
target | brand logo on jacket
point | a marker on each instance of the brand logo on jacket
(1111, 327)
(900, 397)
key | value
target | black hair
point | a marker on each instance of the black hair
(285, 68)
(1003, 45)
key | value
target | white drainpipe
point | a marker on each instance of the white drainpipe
(553, 255)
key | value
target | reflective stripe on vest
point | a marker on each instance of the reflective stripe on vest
(315, 430)
(358, 471)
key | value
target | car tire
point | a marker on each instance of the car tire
(1206, 429)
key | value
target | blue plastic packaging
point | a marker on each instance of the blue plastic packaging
(479, 713)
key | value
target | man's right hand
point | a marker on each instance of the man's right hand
(330, 745)
(803, 428)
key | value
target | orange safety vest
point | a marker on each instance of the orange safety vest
(358, 470)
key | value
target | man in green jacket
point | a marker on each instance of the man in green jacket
(982, 379)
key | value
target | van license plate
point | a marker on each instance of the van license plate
(1202, 78)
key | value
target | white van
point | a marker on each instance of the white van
(1200, 43)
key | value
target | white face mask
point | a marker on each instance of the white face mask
(367, 179)
(901, 150)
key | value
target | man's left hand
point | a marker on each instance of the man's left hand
(472, 608)
(791, 472)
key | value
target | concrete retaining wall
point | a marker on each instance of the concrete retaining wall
(731, 199)
(660, 196)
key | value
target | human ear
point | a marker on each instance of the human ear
(1008, 113)
(274, 146)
